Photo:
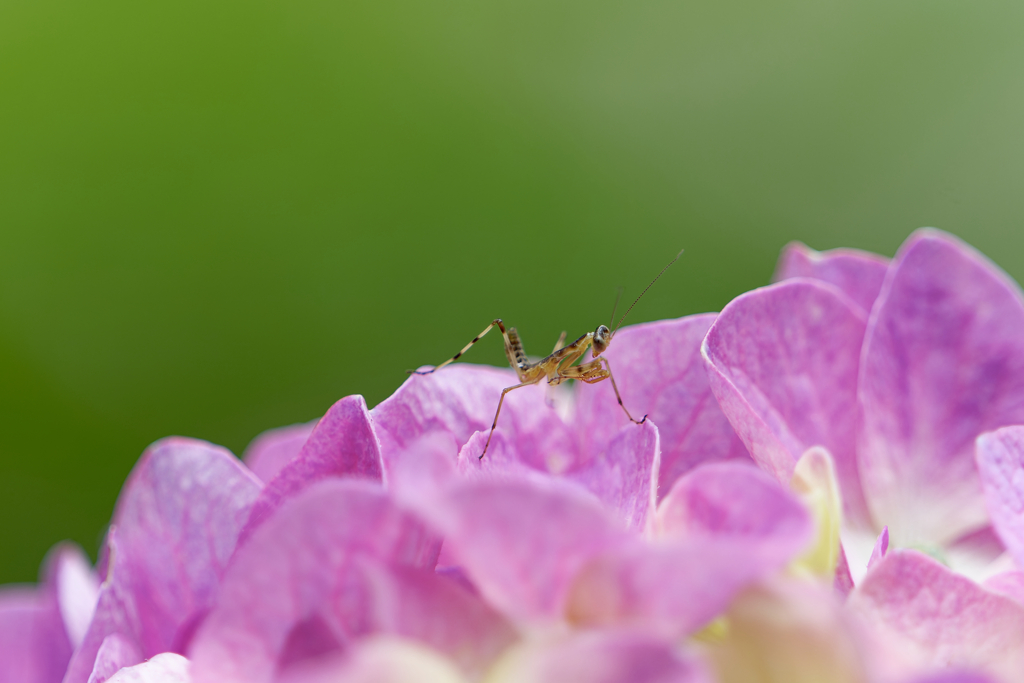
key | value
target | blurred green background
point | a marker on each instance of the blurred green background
(218, 217)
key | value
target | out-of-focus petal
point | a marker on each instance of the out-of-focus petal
(725, 525)
(115, 653)
(269, 452)
(938, 618)
(955, 677)
(116, 613)
(461, 399)
(880, 549)
(814, 480)
(521, 542)
(163, 668)
(793, 631)
(178, 521)
(943, 362)
(74, 584)
(625, 475)
(859, 274)
(33, 645)
(343, 444)
(600, 657)
(291, 578)
(782, 362)
(660, 373)
(1000, 456)
(1010, 584)
(380, 659)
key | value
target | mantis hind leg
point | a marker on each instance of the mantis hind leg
(467, 347)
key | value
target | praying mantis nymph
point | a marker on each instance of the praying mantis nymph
(558, 366)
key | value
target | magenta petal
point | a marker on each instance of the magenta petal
(292, 573)
(660, 373)
(859, 274)
(343, 443)
(521, 542)
(1000, 456)
(625, 475)
(114, 654)
(268, 453)
(955, 677)
(33, 645)
(602, 657)
(782, 362)
(943, 362)
(940, 618)
(880, 549)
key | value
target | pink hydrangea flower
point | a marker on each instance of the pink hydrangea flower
(374, 545)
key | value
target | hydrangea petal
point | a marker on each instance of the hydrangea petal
(521, 541)
(956, 677)
(1000, 456)
(115, 653)
(943, 362)
(782, 362)
(859, 274)
(660, 373)
(461, 399)
(725, 525)
(381, 659)
(76, 587)
(814, 480)
(343, 443)
(880, 549)
(625, 476)
(33, 645)
(178, 520)
(600, 657)
(1010, 584)
(116, 613)
(294, 567)
(269, 452)
(785, 630)
(939, 618)
(163, 668)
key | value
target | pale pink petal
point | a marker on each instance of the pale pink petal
(1000, 456)
(293, 589)
(1010, 584)
(521, 542)
(625, 475)
(73, 582)
(782, 362)
(955, 677)
(178, 520)
(938, 618)
(269, 452)
(163, 668)
(34, 647)
(843, 582)
(880, 549)
(114, 654)
(343, 444)
(660, 373)
(601, 657)
(379, 659)
(859, 274)
(943, 362)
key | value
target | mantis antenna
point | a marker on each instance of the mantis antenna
(645, 291)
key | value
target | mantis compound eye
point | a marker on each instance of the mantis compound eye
(602, 337)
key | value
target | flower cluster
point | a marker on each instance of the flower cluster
(829, 487)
